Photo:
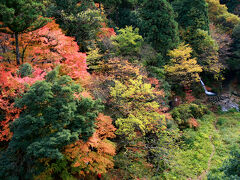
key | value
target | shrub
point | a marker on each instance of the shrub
(25, 70)
(183, 113)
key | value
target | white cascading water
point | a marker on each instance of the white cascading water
(206, 91)
(225, 104)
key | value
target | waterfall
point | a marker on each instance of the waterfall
(203, 85)
(226, 103)
(206, 91)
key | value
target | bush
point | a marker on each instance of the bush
(221, 121)
(25, 70)
(132, 165)
(184, 112)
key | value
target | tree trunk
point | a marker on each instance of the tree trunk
(100, 7)
(23, 52)
(17, 49)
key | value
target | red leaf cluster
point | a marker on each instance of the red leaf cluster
(96, 155)
(12, 86)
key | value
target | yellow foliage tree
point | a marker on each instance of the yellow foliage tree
(182, 67)
(138, 101)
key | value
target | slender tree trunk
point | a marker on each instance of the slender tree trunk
(23, 53)
(100, 7)
(17, 49)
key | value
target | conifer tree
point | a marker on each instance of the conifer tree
(20, 16)
(80, 20)
(235, 56)
(55, 115)
(192, 14)
(158, 25)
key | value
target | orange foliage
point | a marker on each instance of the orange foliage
(46, 48)
(95, 155)
(193, 123)
(9, 90)
(106, 32)
(49, 47)
(12, 86)
(189, 97)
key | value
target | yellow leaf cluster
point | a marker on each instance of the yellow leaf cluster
(182, 67)
(137, 100)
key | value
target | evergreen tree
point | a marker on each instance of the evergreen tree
(192, 14)
(220, 17)
(54, 115)
(235, 56)
(194, 27)
(20, 16)
(80, 20)
(158, 25)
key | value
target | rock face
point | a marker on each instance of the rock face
(228, 98)
(228, 104)
(228, 101)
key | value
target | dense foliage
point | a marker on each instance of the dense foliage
(119, 89)
(159, 26)
(54, 116)
(20, 16)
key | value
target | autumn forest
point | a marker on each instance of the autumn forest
(119, 89)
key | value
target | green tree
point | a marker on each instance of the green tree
(158, 25)
(126, 13)
(233, 6)
(231, 166)
(80, 20)
(139, 100)
(192, 14)
(128, 41)
(55, 115)
(194, 24)
(235, 57)
(19, 17)
(205, 49)
(25, 70)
